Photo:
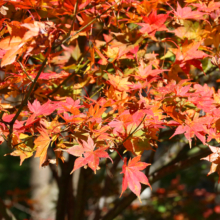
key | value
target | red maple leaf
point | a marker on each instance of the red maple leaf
(202, 6)
(38, 109)
(195, 127)
(91, 157)
(132, 175)
(190, 52)
(187, 13)
(68, 105)
(154, 23)
(188, 55)
(145, 72)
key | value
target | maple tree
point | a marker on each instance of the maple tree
(94, 79)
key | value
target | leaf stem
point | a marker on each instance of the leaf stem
(117, 152)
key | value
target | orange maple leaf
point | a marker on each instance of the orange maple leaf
(42, 143)
(214, 158)
(119, 83)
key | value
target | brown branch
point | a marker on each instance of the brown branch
(28, 93)
(151, 160)
(97, 91)
(81, 197)
(24, 102)
(121, 204)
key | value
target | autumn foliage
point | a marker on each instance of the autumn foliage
(89, 77)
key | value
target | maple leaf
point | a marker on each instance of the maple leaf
(21, 149)
(100, 131)
(137, 145)
(10, 56)
(133, 177)
(13, 44)
(42, 143)
(38, 109)
(190, 30)
(95, 113)
(214, 158)
(76, 118)
(187, 13)
(190, 52)
(23, 154)
(191, 128)
(91, 157)
(76, 150)
(212, 6)
(119, 83)
(153, 23)
(37, 28)
(145, 72)
(68, 105)
(189, 55)
(118, 127)
(52, 75)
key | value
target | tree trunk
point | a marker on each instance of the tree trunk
(44, 191)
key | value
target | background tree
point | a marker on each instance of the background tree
(99, 84)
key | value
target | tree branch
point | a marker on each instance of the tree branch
(25, 101)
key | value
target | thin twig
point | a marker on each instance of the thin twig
(97, 91)
(22, 67)
(74, 18)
